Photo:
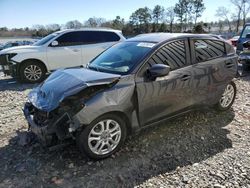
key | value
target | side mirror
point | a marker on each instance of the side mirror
(159, 70)
(248, 36)
(246, 44)
(54, 43)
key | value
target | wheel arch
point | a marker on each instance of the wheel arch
(118, 113)
(124, 117)
(36, 60)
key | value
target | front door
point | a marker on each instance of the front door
(167, 95)
(67, 53)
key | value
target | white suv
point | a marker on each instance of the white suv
(62, 49)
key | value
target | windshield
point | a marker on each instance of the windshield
(45, 39)
(121, 58)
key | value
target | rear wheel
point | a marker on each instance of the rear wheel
(103, 137)
(227, 98)
(32, 72)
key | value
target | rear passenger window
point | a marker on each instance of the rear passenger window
(172, 54)
(93, 37)
(208, 49)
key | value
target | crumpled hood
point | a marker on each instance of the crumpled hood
(19, 49)
(64, 83)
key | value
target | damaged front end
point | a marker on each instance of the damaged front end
(9, 67)
(52, 106)
(47, 126)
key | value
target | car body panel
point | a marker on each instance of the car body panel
(119, 98)
(64, 57)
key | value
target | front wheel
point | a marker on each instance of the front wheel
(103, 137)
(32, 72)
(227, 98)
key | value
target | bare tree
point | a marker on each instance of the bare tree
(220, 24)
(245, 10)
(95, 22)
(170, 16)
(198, 8)
(223, 12)
(242, 11)
(53, 27)
(75, 24)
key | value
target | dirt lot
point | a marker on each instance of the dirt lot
(200, 149)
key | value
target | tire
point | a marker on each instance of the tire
(28, 69)
(92, 136)
(227, 98)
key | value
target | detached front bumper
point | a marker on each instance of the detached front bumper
(52, 130)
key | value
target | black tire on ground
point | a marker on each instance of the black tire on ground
(37, 66)
(219, 105)
(83, 135)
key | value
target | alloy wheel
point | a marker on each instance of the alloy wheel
(227, 96)
(33, 72)
(104, 137)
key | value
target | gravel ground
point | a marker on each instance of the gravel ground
(200, 149)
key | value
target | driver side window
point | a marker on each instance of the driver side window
(69, 39)
(172, 54)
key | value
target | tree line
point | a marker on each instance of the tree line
(182, 17)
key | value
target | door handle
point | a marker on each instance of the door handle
(185, 77)
(229, 64)
(75, 50)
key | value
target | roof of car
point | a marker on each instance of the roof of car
(161, 37)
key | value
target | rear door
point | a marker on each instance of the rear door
(212, 68)
(68, 53)
(170, 94)
(95, 42)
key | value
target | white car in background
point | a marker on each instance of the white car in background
(62, 49)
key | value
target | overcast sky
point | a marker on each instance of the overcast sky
(22, 13)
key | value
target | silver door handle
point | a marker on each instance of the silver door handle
(75, 50)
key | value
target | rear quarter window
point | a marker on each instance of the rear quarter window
(208, 49)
